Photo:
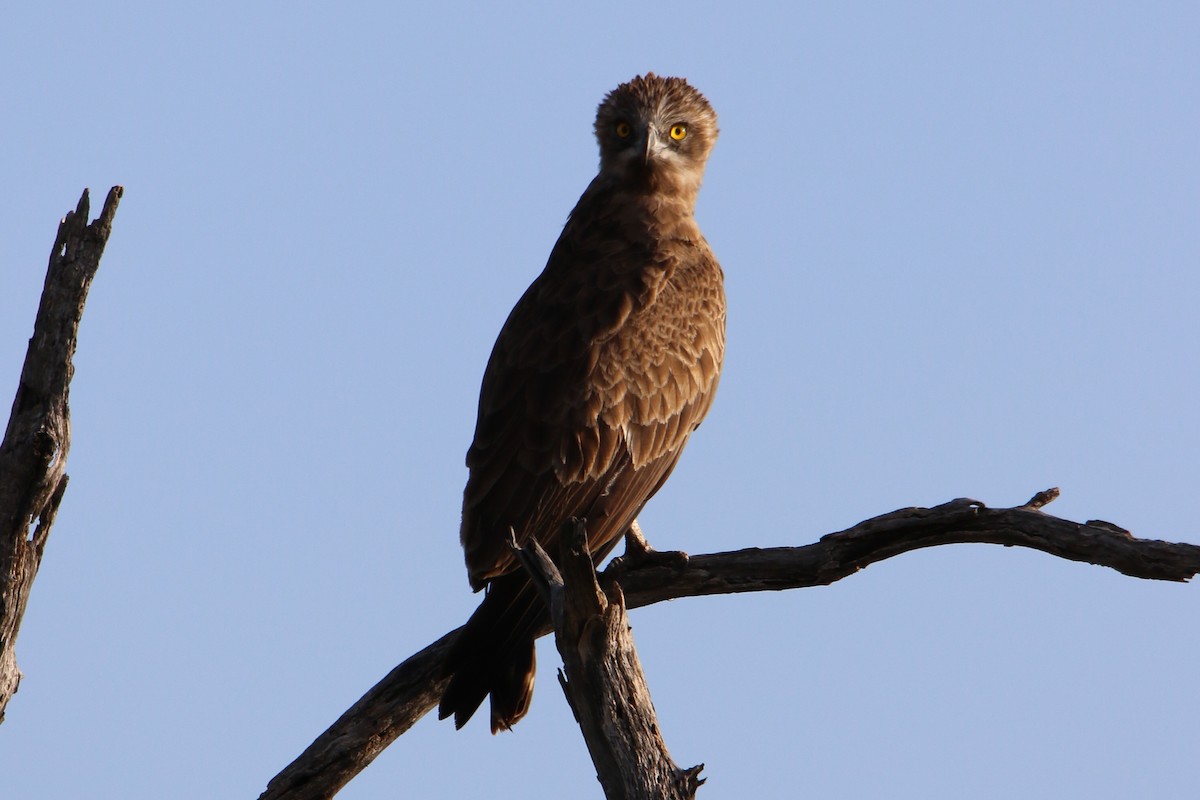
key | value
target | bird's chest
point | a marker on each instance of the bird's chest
(658, 344)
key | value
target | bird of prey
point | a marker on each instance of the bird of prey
(603, 369)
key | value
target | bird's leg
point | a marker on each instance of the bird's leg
(639, 553)
(636, 546)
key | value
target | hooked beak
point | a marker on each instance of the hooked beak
(653, 146)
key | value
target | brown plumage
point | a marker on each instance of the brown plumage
(604, 368)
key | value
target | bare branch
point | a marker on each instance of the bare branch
(33, 456)
(413, 688)
(962, 521)
(390, 708)
(602, 676)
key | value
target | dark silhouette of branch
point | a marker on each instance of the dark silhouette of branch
(602, 676)
(33, 455)
(410, 690)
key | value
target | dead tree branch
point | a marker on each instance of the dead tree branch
(410, 690)
(33, 455)
(961, 521)
(602, 676)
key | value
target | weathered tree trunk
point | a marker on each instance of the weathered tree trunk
(33, 455)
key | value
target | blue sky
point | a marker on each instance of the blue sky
(961, 244)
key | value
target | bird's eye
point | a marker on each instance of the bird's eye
(678, 131)
(623, 129)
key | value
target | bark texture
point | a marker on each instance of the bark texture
(602, 676)
(33, 455)
(412, 689)
(390, 708)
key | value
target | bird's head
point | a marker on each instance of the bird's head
(655, 135)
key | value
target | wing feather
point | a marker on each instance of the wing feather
(595, 373)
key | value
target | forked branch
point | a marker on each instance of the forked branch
(410, 690)
(602, 676)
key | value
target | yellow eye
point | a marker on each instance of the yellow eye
(678, 132)
(623, 129)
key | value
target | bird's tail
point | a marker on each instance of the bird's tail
(494, 655)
